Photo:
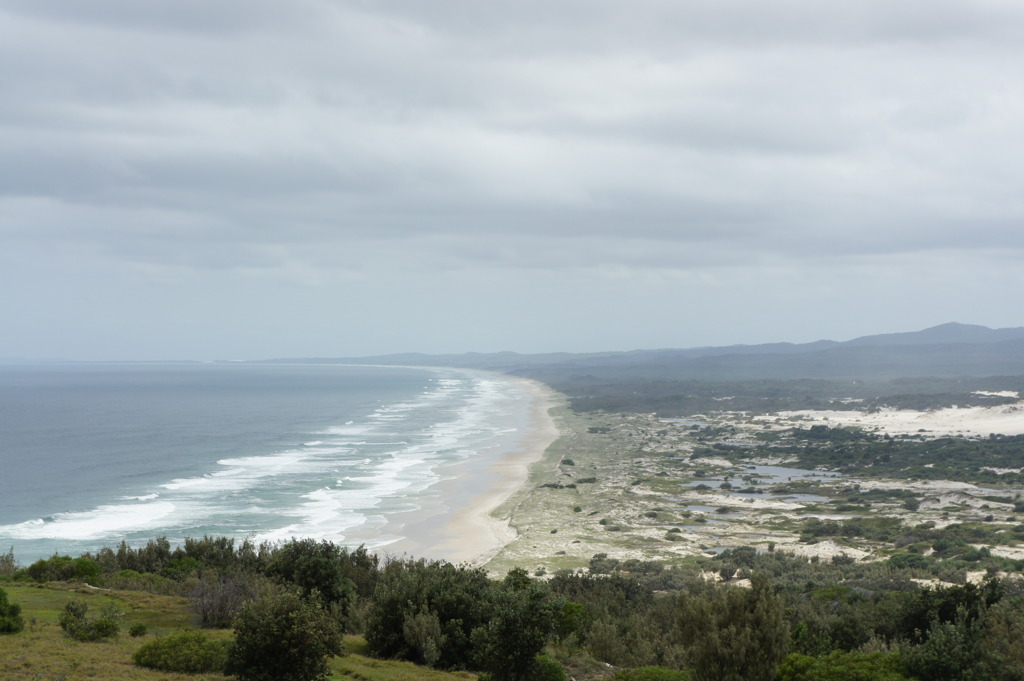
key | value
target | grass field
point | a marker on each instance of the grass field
(42, 652)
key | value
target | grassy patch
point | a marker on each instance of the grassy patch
(358, 666)
(42, 652)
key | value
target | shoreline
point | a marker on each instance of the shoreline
(462, 526)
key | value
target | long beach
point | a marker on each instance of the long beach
(460, 526)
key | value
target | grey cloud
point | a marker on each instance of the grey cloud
(346, 149)
(664, 26)
(167, 15)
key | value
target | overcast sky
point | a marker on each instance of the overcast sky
(242, 179)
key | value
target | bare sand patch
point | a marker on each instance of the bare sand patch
(823, 550)
(965, 421)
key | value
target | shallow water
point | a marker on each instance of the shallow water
(767, 477)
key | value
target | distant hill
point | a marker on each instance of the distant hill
(946, 350)
(936, 367)
(951, 333)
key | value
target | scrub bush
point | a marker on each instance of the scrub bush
(74, 622)
(11, 620)
(189, 652)
(283, 637)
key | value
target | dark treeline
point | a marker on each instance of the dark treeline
(793, 619)
(634, 392)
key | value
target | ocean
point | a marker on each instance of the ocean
(93, 454)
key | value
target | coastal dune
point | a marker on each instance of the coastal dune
(950, 421)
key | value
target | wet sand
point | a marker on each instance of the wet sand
(460, 526)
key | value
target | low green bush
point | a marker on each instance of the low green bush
(283, 637)
(75, 624)
(189, 652)
(840, 665)
(544, 669)
(549, 670)
(63, 568)
(11, 621)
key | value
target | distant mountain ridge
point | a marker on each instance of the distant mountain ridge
(951, 332)
(946, 350)
(951, 349)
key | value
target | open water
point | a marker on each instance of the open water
(92, 454)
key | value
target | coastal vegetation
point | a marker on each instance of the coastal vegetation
(742, 614)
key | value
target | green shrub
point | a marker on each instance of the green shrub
(509, 644)
(11, 620)
(44, 570)
(74, 622)
(460, 597)
(314, 567)
(734, 633)
(130, 580)
(548, 670)
(189, 652)
(909, 560)
(137, 630)
(544, 669)
(85, 570)
(180, 568)
(283, 637)
(64, 568)
(841, 666)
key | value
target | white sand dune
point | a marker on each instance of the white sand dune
(964, 421)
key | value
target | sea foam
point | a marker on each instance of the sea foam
(338, 481)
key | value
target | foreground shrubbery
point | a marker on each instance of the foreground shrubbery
(11, 621)
(283, 637)
(454, 617)
(734, 633)
(842, 620)
(189, 652)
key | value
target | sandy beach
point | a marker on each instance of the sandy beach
(462, 527)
